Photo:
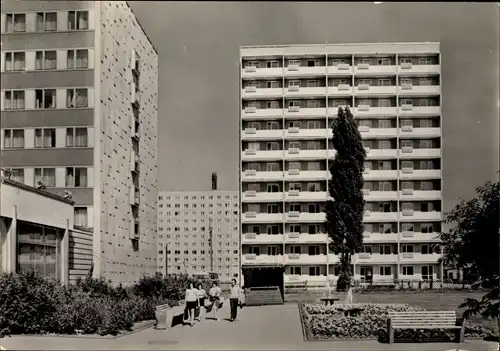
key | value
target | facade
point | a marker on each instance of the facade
(289, 98)
(35, 230)
(193, 223)
(79, 116)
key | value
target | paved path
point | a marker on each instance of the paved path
(258, 328)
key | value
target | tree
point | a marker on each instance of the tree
(472, 243)
(345, 209)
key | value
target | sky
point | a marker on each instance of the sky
(198, 45)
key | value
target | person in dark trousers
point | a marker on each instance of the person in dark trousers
(234, 299)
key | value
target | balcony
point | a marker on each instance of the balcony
(341, 69)
(300, 196)
(416, 257)
(376, 237)
(411, 153)
(305, 238)
(253, 72)
(297, 71)
(371, 175)
(134, 196)
(295, 154)
(305, 112)
(305, 259)
(380, 217)
(254, 176)
(370, 195)
(411, 215)
(136, 96)
(377, 133)
(406, 110)
(295, 91)
(375, 258)
(419, 90)
(261, 260)
(253, 113)
(340, 90)
(371, 70)
(374, 90)
(259, 155)
(299, 175)
(361, 111)
(305, 217)
(416, 237)
(252, 238)
(419, 195)
(251, 92)
(381, 154)
(296, 133)
(253, 217)
(261, 196)
(254, 134)
(418, 70)
(134, 162)
(411, 132)
(417, 174)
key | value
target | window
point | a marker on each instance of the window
(272, 250)
(15, 61)
(45, 98)
(385, 270)
(337, 61)
(272, 208)
(365, 82)
(407, 248)
(425, 249)
(408, 270)
(385, 250)
(364, 61)
(313, 125)
(47, 176)
(407, 186)
(78, 59)
(272, 64)
(15, 22)
(384, 82)
(367, 249)
(384, 103)
(274, 125)
(405, 60)
(272, 167)
(294, 83)
(295, 208)
(313, 83)
(46, 60)
(295, 228)
(272, 84)
(385, 61)
(46, 21)
(295, 270)
(81, 217)
(425, 81)
(76, 177)
(406, 102)
(272, 104)
(314, 250)
(314, 271)
(255, 64)
(337, 82)
(78, 20)
(294, 63)
(45, 137)
(13, 138)
(406, 81)
(272, 230)
(273, 188)
(424, 102)
(312, 103)
(294, 103)
(77, 98)
(384, 145)
(425, 61)
(406, 143)
(273, 146)
(76, 137)
(14, 100)
(314, 187)
(295, 186)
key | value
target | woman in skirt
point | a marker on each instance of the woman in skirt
(202, 295)
(191, 302)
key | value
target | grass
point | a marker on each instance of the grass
(429, 300)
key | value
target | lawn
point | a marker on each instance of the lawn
(429, 300)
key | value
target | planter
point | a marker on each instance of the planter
(161, 317)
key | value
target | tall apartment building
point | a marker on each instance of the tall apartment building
(79, 116)
(191, 224)
(289, 97)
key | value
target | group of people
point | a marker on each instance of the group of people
(197, 299)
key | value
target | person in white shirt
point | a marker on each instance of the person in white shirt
(191, 302)
(215, 295)
(202, 294)
(234, 299)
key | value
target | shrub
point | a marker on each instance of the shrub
(329, 322)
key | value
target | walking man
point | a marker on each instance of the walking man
(234, 299)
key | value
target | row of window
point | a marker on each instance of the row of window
(426, 271)
(46, 21)
(194, 205)
(316, 83)
(377, 61)
(197, 244)
(194, 252)
(199, 197)
(45, 138)
(45, 60)
(75, 177)
(46, 99)
(184, 269)
(359, 102)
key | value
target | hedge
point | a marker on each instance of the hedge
(31, 304)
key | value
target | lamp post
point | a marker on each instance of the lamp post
(210, 245)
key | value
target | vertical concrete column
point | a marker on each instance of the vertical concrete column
(12, 243)
(64, 256)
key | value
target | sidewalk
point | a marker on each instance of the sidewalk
(258, 328)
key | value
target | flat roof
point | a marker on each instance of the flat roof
(140, 25)
(341, 48)
(35, 190)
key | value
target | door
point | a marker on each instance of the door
(427, 272)
(366, 274)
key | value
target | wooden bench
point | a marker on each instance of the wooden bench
(329, 300)
(425, 320)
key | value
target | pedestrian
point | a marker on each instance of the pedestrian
(215, 295)
(202, 295)
(191, 302)
(234, 299)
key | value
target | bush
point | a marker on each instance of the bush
(329, 323)
(31, 304)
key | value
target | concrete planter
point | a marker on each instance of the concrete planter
(161, 317)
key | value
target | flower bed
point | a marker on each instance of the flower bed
(322, 322)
